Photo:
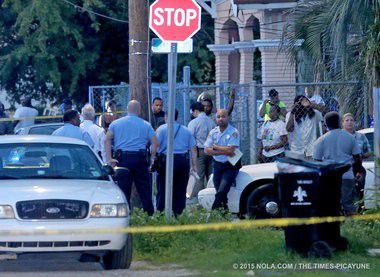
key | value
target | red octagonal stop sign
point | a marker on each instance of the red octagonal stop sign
(175, 20)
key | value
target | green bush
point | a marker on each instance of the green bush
(161, 242)
(212, 251)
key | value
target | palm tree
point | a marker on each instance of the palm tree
(342, 39)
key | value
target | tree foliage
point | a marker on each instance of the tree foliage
(47, 47)
(341, 38)
(52, 49)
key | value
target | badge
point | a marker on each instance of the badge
(235, 135)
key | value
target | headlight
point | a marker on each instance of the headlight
(110, 210)
(6, 212)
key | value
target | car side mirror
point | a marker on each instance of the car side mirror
(107, 169)
(120, 173)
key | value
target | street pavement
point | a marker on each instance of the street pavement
(62, 265)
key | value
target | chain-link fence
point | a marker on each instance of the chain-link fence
(291, 116)
(185, 96)
(299, 124)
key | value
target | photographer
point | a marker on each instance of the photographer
(304, 125)
(268, 103)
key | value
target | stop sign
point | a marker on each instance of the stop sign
(175, 20)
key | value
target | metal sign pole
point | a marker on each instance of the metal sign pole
(172, 74)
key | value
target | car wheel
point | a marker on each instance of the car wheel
(120, 259)
(263, 203)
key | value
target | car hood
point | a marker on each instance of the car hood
(93, 191)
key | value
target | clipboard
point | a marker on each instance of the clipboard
(236, 157)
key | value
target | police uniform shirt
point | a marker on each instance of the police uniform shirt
(131, 133)
(230, 137)
(72, 131)
(183, 141)
(200, 127)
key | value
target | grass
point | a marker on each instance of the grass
(214, 253)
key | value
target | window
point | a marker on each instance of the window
(49, 161)
(43, 130)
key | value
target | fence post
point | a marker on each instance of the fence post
(252, 100)
(103, 100)
(219, 92)
(376, 141)
(365, 108)
(185, 93)
(91, 96)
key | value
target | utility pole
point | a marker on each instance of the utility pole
(139, 54)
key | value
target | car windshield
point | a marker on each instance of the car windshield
(44, 130)
(49, 161)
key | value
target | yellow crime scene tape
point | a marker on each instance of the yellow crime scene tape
(220, 226)
(47, 117)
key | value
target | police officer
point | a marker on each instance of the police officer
(200, 127)
(130, 136)
(221, 143)
(71, 128)
(183, 142)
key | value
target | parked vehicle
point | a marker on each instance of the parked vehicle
(57, 184)
(255, 196)
(368, 132)
(39, 129)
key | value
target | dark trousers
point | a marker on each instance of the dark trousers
(181, 170)
(349, 196)
(224, 176)
(139, 174)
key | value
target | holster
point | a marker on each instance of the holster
(238, 165)
(161, 162)
(118, 155)
(147, 156)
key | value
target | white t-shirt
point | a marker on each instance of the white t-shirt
(97, 135)
(25, 112)
(270, 134)
(317, 99)
(305, 133)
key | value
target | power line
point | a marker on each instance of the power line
(95, 13)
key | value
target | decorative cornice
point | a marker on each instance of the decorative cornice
(249, 46)
(273, 43)
(221, 48)
(267, 43)
(265, 4)
(245, 46)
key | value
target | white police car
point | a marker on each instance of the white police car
(255, 196)
(58, 184)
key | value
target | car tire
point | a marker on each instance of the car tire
(120, 259)
(258, 200)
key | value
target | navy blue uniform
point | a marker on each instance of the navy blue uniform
(183, 142)
(131, 136)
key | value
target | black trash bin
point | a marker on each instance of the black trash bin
(311, 189)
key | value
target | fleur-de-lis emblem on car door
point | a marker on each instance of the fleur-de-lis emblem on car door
(300, 194)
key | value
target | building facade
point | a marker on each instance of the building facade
(248, 32)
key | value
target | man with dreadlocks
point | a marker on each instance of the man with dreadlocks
(304, 125)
